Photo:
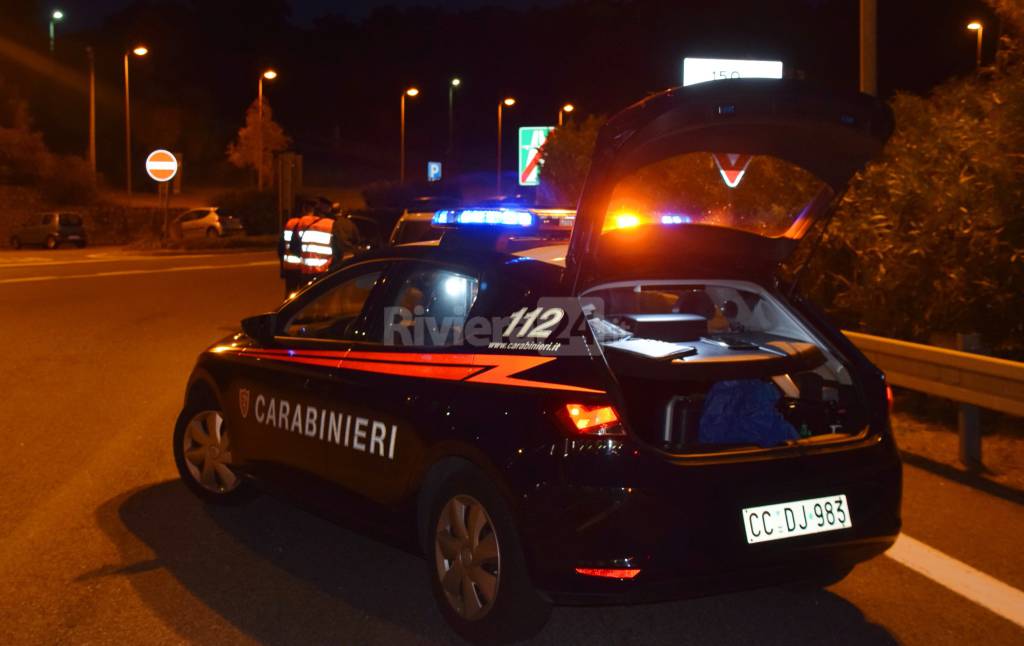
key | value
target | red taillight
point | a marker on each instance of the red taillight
(889, 397)
(593, 420)
(609, 573)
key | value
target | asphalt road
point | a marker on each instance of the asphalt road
(99, 543)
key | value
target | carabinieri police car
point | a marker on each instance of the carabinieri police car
(643, 413)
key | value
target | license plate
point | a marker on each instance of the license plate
(74, 237)
(797, 518)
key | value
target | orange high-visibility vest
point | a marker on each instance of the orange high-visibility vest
(314, 241)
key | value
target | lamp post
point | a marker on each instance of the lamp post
(270, 75)
(140, 51)
(974, 25)
(506, 103)
(454, 83)
(411, 92)
(566, 109)
(92, 110)
(55, 17)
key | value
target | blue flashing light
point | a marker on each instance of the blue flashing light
(485, 217)
(675, 218)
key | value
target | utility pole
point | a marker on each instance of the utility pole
(869, 47)
(92, 111)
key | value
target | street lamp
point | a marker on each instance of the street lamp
(270, 75)
(566, 109)
(454, 83)
(411, 92)
(974, 25)
(139, 50)
(507, 103)
(55, 17)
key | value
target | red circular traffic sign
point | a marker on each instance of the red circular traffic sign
(161, 165)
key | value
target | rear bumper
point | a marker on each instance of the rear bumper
(681, 525)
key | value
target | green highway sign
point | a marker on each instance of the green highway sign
(531, 144)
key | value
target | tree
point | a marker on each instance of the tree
(245, 151)
(566, 157)
(930, 239)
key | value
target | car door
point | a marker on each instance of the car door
(396, 377)
(287, 425)
(190, 223)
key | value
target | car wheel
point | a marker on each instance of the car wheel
(476, 564)
(51, 242)
(80, 244)
(15, 242)
(202, 453)
(211, 233)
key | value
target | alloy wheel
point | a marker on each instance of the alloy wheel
(207, 451)
(468, 557)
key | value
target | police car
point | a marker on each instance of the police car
(643, 413)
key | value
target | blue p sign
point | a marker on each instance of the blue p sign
(433, 171)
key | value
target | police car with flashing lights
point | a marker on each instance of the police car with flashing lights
(642, 413)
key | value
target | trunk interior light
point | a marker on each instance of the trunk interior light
(609, 573)
(593, 420)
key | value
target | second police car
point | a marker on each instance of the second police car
(643, 413)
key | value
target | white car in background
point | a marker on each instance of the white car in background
(206, 222)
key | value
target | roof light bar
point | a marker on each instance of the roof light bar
(485, 217)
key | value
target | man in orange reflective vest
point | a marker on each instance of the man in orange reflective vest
(305, 249)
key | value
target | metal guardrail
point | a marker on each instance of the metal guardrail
(971, 379)
(987, 382)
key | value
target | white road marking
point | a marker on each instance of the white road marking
(984, 590)
(133, 272)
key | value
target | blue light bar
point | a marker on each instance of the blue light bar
(485, 217)
(675, 218)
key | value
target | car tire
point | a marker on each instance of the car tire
(81, 244)
(15, 242)
(476, 565)
(203, 456)
(211, 232)
(52, 242)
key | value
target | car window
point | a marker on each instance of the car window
(416, 231)
(48, 218)
(333, 313)
(70, 220)
(428, 307)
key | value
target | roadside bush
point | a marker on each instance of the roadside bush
(68, 180)
(256, 209)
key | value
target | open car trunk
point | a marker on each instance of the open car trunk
(693, 198)
(712, 364)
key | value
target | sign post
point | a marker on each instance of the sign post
(531, 152)
(162, 166)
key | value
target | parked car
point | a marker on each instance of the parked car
(638, 413)
(206, 221)
(50, 230)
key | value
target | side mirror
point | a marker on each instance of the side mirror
(262, 327)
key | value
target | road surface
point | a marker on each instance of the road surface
(99, 543)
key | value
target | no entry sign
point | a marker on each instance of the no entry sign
(161, 165)
(531, 146)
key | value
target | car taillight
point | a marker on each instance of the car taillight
(599, 419)
(609, 573)
(889, 397)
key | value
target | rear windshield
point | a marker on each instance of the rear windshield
(416, 231)
(70, 220)
(754, 193)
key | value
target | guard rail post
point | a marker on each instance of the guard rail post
(969, 417)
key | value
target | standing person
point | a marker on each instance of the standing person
(344, 238)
